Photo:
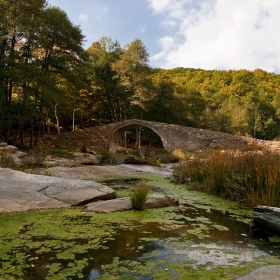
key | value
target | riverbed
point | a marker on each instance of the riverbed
(205, 237)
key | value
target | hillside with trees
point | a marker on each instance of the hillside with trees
(50, 84)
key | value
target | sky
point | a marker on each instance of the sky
(205, 34)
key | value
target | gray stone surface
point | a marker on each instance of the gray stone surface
(11, 152)
(124, 203)
(95, 172)
(264, 273)
(21, 191)
(267, 218)
(86, 158)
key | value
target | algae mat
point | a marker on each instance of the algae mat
(204, 238)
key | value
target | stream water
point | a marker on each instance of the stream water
(204, 238)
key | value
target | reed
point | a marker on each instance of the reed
(253, 177)
(139, 195)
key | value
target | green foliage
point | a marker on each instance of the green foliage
(240, 102)
(139, 195)
(48, 81)
(251, 176)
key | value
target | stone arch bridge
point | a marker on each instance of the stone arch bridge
(172, 136)
(176, 136)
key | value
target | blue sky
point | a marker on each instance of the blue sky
(206, 34)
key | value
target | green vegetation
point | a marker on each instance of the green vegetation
(251, 177)
(171, 243)
(50, 84)
(139, 195)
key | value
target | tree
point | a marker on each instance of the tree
(133, 71)
(105, 87)
(39, 46)
(18, 29)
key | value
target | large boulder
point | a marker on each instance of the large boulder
(267, 218)
(21, 191)
(9, 151)
(124, 204)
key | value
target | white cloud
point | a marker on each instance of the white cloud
(221, 34)
(159, 5)
(141, 29)
(168, 23)
(84, 17)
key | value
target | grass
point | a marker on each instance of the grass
(6, 161)
(252, 177)
(33, 159)
(139, 195)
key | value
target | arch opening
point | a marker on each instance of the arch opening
(135, 136)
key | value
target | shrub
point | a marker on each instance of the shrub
(139, 195)
(6, 161)
(179, 154)
(34, 159)
(109, 158)
(189, 171)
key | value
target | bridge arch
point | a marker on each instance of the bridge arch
(121, 127)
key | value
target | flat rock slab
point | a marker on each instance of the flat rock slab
(124, 204)
(264, 273)
(20, 191)
(96, 172)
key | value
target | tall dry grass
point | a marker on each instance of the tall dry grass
(253, 177)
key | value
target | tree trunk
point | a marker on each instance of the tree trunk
(38, 134)
(7, 134)
(22, 134)
(48, 123)
(18, 132)
(73, 117)
(138, 137)
(57, 120)
(31, 134)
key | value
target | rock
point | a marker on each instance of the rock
(11, 152)
(131, 160)
(186, 208)
(21, 191)
(108, 206)
(267, 218)
(159, 200)
(88, 149)
(20, 154)
(86, 158)
(4, 148)
(271, 272)
(124, 204)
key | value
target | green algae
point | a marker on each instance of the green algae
(64, 243)
(274, 239)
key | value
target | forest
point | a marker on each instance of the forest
(50, 84)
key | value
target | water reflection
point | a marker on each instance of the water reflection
(204, 237)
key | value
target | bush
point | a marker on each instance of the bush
(108, 157)
(180, 154)
(139, 195)
(6, 161)
(34, 159)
